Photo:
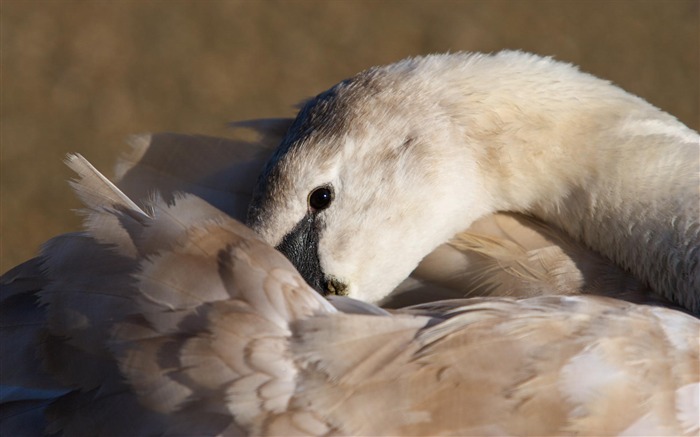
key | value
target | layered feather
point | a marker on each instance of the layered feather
(518, 256)
(204, 329)
(416, 151)
(166, 316)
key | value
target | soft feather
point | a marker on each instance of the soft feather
(515, 255)
(416, 151)
(120, 300)
(215, 333)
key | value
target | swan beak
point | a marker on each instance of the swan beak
(300, 246)
(335, 287)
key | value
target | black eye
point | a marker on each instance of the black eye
(320, 198)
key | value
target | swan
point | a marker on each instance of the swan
(88, 339)
(172, 318)
(380, 170)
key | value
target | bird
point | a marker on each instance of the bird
(378, 171)
(126, 328)
(173, 318)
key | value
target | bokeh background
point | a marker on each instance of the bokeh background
(80, 76)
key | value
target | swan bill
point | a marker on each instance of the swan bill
(300, 246)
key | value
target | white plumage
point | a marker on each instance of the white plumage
(416, 151)
(172, 318)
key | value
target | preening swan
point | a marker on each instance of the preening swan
(166, 316)
(174, 319)
(410, 154)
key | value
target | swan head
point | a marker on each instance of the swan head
(363, 186)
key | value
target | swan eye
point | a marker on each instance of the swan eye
(320, 198)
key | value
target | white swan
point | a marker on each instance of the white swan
(174, 319)
(179, 331)
(379, 170)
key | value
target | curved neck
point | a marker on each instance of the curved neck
(620, 176)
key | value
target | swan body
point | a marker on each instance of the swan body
(172, 318)
(166, 316)
(415, 152)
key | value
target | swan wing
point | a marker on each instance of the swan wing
(514, 255)
(79, 313)
(277, 359)
(198, 327)
(272, 355)
(538, 366)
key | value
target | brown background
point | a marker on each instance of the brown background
(79, 76)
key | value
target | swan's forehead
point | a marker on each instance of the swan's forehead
(353, 125)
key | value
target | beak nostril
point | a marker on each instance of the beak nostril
(335, 287)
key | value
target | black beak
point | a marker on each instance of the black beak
(300, 246)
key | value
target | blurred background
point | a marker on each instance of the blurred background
(80, 76)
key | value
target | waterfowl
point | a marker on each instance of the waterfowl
(384, 167)
(171, 318)
(105, 341)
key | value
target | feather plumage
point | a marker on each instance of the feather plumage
(166, 316)
(416, 151)
(518, 256)
(206, 329)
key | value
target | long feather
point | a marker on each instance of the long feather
(179, 318)
(219, 334)
(95, 190)
(518, 256)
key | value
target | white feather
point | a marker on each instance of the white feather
(176, 319)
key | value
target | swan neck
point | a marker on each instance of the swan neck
(626, 188)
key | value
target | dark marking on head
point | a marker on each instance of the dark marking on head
(300, 246)
(326, 116)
